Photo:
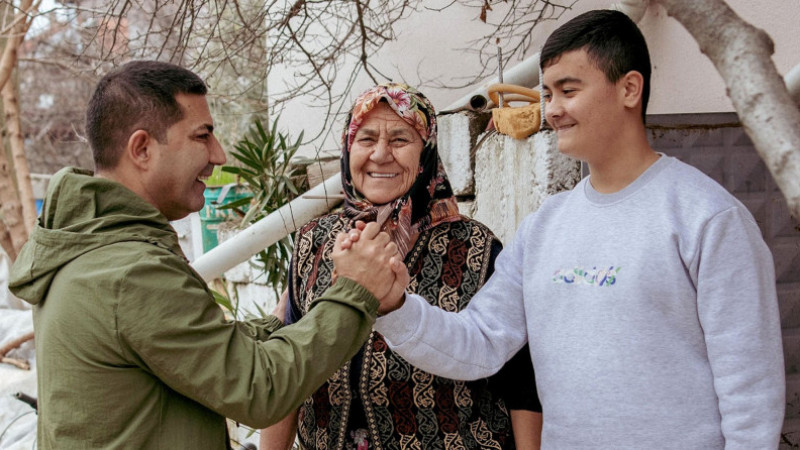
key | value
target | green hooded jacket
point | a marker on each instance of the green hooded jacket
(131, 349)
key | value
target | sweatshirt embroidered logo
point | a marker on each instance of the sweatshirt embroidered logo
(593, 277)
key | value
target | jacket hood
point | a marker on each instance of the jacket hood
(82, 213)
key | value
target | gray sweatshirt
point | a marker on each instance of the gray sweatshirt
(651, 315)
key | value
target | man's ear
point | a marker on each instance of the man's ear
(632, 85)
(139, 148)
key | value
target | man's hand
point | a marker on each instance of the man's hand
(367, 261)
(353, 235)
(396, 296)
(394, 299)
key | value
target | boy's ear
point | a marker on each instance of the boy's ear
(632, 84)
(138, 150)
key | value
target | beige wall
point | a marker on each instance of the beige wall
(684, 81)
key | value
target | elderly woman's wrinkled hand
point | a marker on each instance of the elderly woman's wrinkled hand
(353, 235)
(280, 308)
(367, 261)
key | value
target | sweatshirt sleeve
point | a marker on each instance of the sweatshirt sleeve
(516, 381)
(170, 326)
(473, 343)
(738, 310)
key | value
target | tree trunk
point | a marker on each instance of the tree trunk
(21, 21)
(5, 242)
(20, 162)
(10, 207)
(742, 55)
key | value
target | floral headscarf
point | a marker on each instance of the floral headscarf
(430, 199)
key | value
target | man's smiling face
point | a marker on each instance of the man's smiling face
(187, 157)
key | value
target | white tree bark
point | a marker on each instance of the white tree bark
(635, 9)
(20, 161)
(793, 83)
(16, 193)
(16, 33)
(742, 55)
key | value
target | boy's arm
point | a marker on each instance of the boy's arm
(471, 344)
(738, 310)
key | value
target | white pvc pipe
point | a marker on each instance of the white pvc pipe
(526, 73)
(634, 9)
(793, 83)
(269, 230)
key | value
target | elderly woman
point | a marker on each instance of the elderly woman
(392, 174)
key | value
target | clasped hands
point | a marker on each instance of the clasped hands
(367, 256)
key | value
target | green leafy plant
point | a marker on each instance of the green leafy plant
(264, 166)
(219, 178)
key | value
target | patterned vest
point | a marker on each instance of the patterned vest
(405, 407)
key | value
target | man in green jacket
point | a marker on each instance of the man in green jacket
(132, 351)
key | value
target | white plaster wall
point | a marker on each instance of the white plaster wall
(253, 299)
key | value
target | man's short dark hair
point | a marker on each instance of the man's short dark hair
(612, 42)
(137, 96)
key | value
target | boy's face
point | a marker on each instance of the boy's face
(582, 106)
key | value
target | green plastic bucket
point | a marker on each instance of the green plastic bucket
(211, 217)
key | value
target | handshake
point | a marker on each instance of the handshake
(367, 256)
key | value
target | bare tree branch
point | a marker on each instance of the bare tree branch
(742, 55)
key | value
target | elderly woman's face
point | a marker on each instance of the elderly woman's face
(384, 157)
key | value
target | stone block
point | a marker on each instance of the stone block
(514, 176)
(458, 133)
(467, 208)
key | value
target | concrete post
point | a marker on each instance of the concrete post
(513, 177)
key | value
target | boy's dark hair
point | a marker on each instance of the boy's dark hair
(137, 96)
(612, 41)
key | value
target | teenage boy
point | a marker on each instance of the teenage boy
(646, 293)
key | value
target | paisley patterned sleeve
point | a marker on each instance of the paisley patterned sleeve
(293, 314)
